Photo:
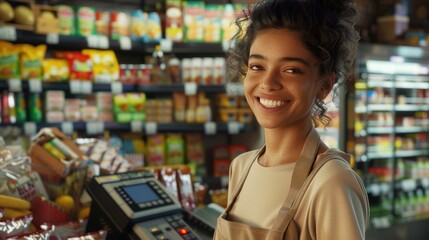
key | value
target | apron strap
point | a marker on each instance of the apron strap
(299, 176)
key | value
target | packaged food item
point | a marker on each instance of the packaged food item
(85, 24)
(105, 67)
(173, 70)
(80, 65)
(154, 30)
(179, 106)
(156, 150)
(24, 15)
(31, 60)
(35, 107)
(186, 70)
(102, 23)
(195, 152)
(219, 71)
(159, 66)
(143, 74)
(193, 21)
(138, 24)
(66, 18)
(196, 70)
(228, 28)
(120, 24)
(207, 71)
(54, 100)
(55, 70)
(174, 22)
(213, 23)
(137, 103)
(175, 149)
(21, 108)
(9, 60)
(186, 190)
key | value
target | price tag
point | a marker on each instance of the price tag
(116, 88)
(15, 85)
(226, 45)
(30, 128)
(75, 86)
(52, 38)
(234, 89)
(67, 128)
(425, 182)
(191, 89)
(166, 45)
(136, 126)
(234, 127)
(8, 33)
(375, 189)
(125, 43)
(210, 128)
(35, 85)
(224, 181)
(86, 87)
(385, 188)
(151, 128)
(103, 42)
(408, 184)
(92, 41)
(93, 128)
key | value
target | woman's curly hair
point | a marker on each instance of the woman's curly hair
(327, 28)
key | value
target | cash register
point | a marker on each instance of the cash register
(135, 205)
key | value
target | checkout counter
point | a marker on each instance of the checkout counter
(135, 205)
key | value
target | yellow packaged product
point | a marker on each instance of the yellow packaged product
(9, 60)
(55, 70)
(105, 65)
(30, 60)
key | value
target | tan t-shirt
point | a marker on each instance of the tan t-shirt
(335, 205)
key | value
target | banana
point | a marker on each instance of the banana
(10, 213)
(7, 201)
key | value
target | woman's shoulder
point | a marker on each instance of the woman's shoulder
(242, 160)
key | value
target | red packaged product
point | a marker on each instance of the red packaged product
(80, 65)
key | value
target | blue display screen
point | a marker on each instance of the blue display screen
(140, 193)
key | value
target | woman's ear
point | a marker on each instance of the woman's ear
(327, 85)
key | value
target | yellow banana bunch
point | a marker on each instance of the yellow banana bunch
(7, 201)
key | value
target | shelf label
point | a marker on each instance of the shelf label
(226, 45)
(125, 43)
(151, 128)
(234, 89)
(86, 87)
(8, 33)
(166, 45)
(116, 87)
(15, 85)
(52, 38)
(425, 182)
(93, 128)
(234, 127)
(97, 41)
(191, 89)
(30, 128)
(136, 126)
(103, 42)
(210, 128)
(35, 85)
(374, 189)
(80, 87)
(67, 128)
(92, 41)
(408, 184)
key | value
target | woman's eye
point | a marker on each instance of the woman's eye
(293, 70)
(255, 67)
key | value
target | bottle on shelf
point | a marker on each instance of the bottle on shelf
(159, 66)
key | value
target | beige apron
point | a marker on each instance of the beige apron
(284, 227)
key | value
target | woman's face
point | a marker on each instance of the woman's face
(282, 79)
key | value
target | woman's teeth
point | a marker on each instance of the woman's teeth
(271, 103)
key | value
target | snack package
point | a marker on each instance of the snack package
(120, 24)
(66, 18)
(175, 149)
(213, 23)
(138, 24)
(55, 70)
(30, 60)
(193, 20)
(102, 23)
(186, 191)
(154, 31)
(174, 22)
(156, 150)
(195, 148)
(9, 61)
(85, 21)
(80, 65)
(105, 66)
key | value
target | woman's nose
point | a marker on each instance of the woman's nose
(270, 81)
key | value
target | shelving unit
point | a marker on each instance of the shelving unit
(389, 134)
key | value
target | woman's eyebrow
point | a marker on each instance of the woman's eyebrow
(283, 59)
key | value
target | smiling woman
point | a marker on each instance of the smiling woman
(289, 56)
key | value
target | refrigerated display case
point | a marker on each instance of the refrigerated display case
(388, 131)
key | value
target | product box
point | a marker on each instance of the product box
(85, 21)
(391, 27)
(193, 20)
(54, 151)
(66, 19)
(213, 23)
(173, 21)
(47, 20)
